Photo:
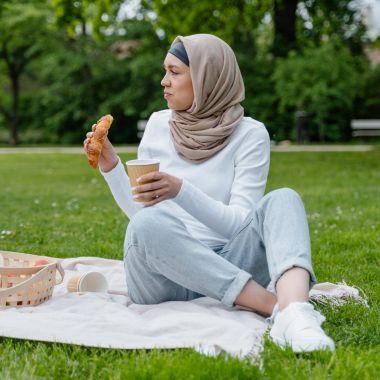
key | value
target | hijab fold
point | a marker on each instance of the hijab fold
(206, 127)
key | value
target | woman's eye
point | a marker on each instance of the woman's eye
(171, 72)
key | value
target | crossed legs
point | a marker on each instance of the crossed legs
(164, 262)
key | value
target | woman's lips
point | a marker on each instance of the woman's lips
(166, 95)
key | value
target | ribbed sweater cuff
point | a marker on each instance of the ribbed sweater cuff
(114, 173)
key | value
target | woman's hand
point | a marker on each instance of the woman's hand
(108, 158)
(165, 186)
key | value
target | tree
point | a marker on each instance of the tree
(85, 15)
(321, 20)
(83, 78)
(230, 20)
(63, 63)
(368, 102)
(298, 24)
(293, 24)
(23, 28)
(284, 22)
(323, 82)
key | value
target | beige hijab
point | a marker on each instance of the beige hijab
(206, 127)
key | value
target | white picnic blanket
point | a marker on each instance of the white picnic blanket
(113, 321)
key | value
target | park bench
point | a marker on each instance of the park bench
(365, 127)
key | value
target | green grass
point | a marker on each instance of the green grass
(56, 205)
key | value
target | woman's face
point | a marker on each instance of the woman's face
(178, 87)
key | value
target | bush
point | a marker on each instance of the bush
(260, 100)
(324, 82)
(79, 80)
(367, 105)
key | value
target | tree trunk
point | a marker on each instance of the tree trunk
(84, 28)
(14, 124)
(284, 18)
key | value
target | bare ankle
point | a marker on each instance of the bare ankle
(256, 298)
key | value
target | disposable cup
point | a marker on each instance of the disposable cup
(88, 282)
(137, 168)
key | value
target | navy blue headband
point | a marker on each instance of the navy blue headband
(179, 51)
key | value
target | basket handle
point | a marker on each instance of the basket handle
(61, 273)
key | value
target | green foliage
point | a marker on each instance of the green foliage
(23, 31)
(260, 98)
(83, 14)
(23, 23)
(226, 19)
(77, 80)
(72, 61)
(323, 82)
(368, 102)
(329, 99)
(321, 20)
(96, 78)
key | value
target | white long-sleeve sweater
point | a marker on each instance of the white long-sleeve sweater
(217, 194)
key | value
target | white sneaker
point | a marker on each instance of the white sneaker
(299, 326)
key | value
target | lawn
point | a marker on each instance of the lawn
(57, 205)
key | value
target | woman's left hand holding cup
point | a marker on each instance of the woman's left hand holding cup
(162, 186)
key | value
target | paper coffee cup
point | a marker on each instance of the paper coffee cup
(88, 282)
(137, 168)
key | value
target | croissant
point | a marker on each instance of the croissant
(95, 144)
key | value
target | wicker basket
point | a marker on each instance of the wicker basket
(22, 284)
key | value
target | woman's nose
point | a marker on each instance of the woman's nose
(165, 82)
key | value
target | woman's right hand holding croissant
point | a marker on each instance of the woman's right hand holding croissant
(108, 158)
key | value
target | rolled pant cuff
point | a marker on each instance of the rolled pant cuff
(235, 288)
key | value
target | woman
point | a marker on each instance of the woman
(204, 228)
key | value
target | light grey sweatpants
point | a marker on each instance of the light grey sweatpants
(163, 262)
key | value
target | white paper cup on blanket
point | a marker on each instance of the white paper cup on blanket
(88, 282)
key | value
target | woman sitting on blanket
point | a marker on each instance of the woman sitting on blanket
(204, 227)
